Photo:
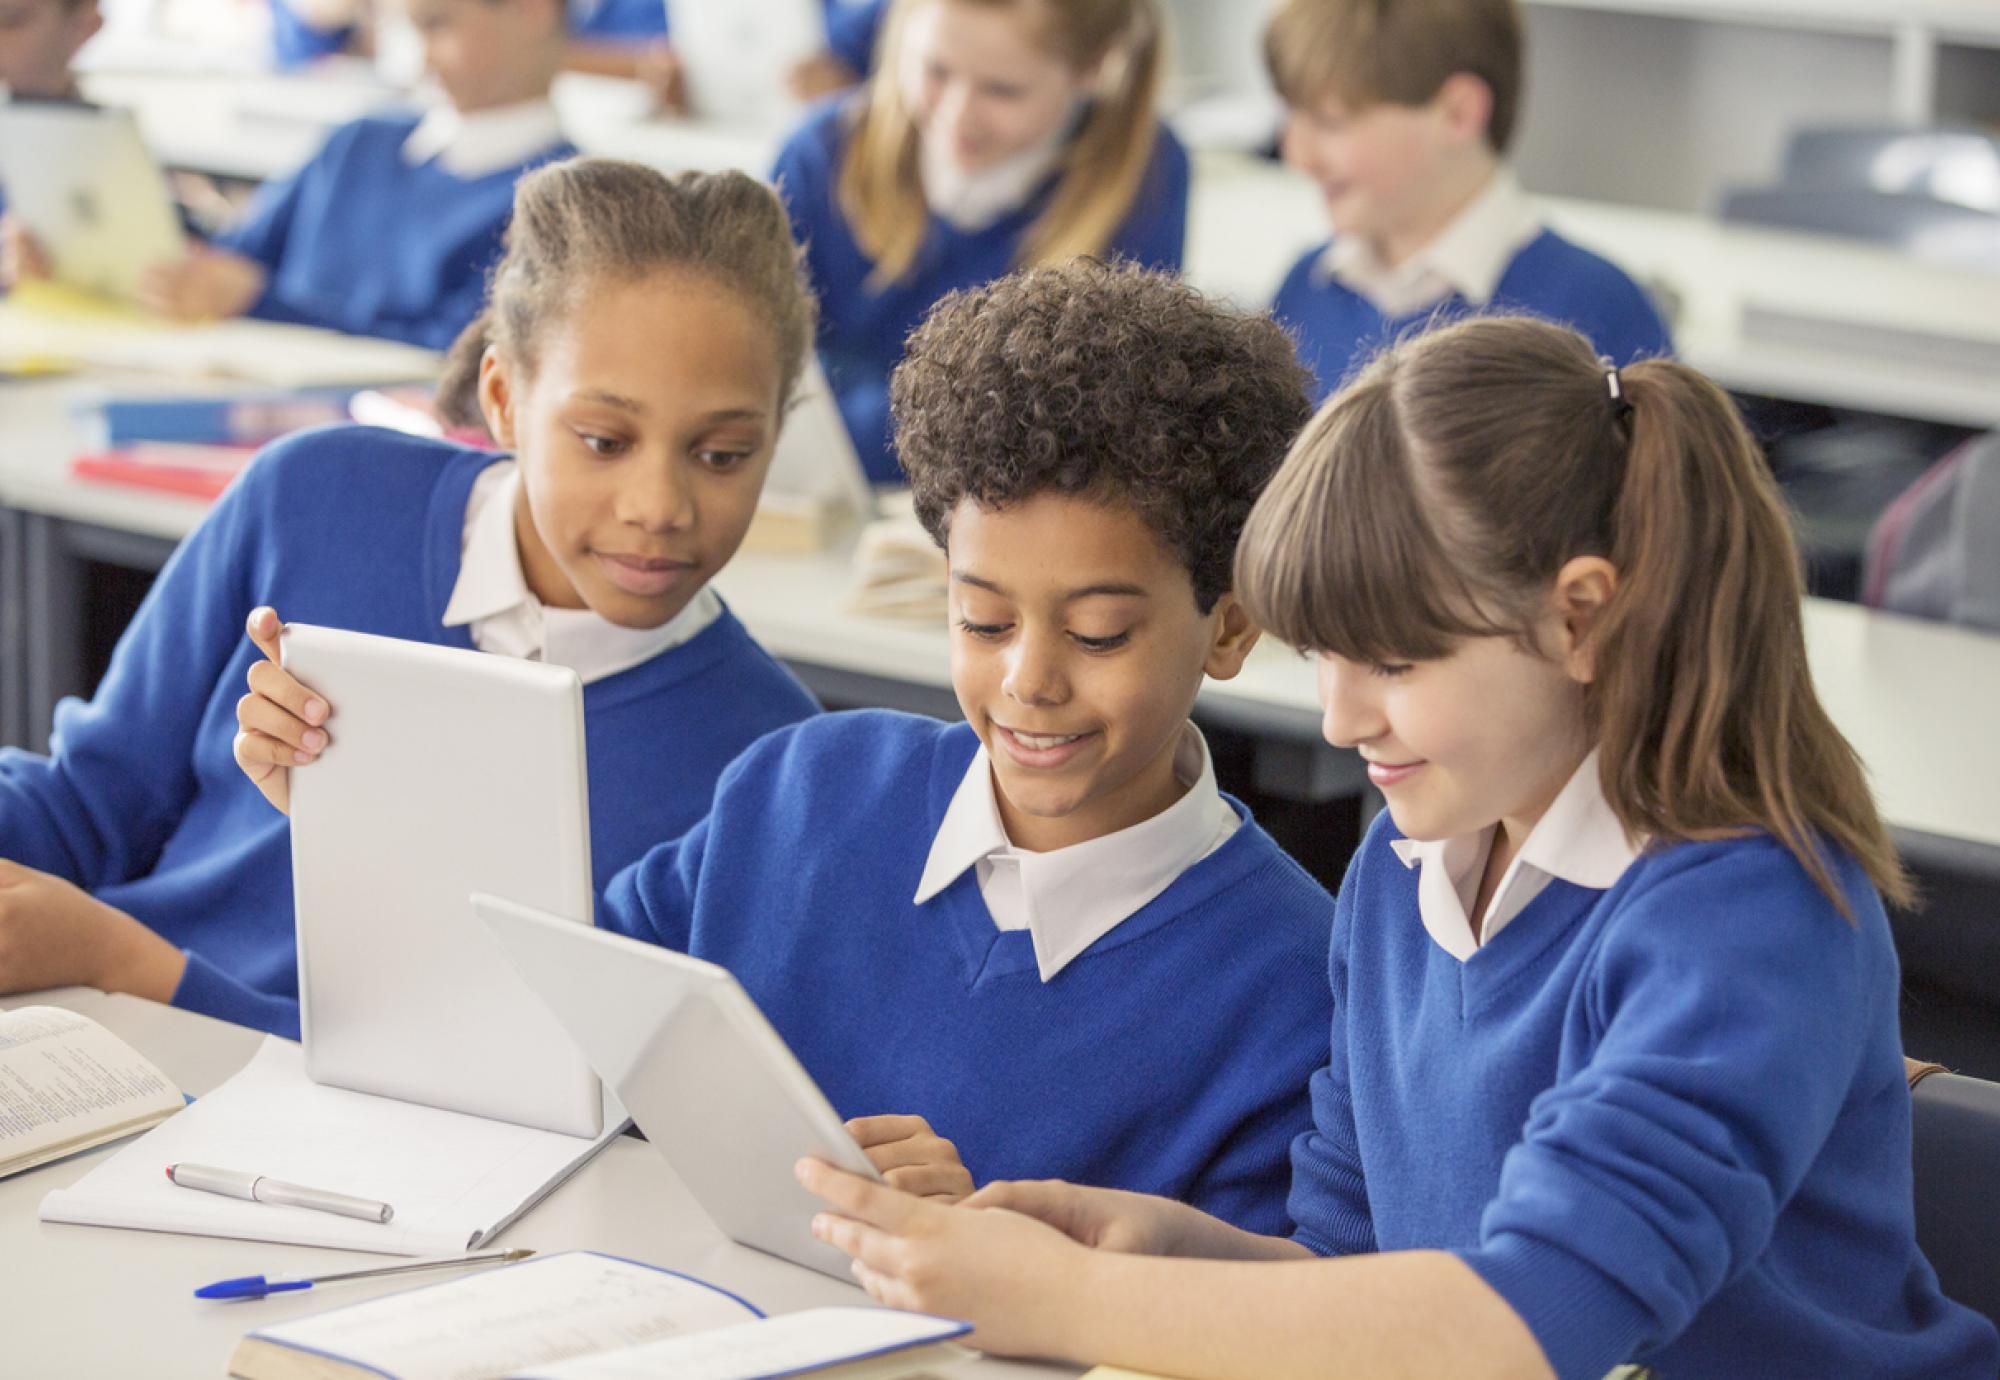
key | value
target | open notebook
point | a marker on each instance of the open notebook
(585, 1316)
(454, 1180)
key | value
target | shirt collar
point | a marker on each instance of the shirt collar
(478, 143)
(1578, 839)
(492, 596)
(1077, 895)
(1468, 257)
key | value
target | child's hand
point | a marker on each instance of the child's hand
(55, 934)
(819, 75)
(1106, 1218)
(1010, 1276)
(912, 1157)
(664, 76)
(22, 258)
(279, 721)
(202, 285)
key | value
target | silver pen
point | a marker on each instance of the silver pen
(234, 1183)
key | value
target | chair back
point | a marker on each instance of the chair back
(1955, 1142)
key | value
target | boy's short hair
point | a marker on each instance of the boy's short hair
(1111, 383)
(1365, 52)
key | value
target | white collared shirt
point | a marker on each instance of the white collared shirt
(1069, 898)
(1469, 256)
(971, 201)
(1577, 839)
(478, 143)
(506, 618)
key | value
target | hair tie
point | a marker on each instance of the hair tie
(1614, 383)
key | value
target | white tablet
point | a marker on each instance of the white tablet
(82, 182)
(697, 1066)
(448, 772)
(737, 55)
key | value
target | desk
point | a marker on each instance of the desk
(794, 605)
(89, 1302)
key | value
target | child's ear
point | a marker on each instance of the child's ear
(1466, 102)
(1583, 588)
(496, 398)
(1233, 637)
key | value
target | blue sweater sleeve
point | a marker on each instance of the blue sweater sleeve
(654, 898)
(208, 990)
(1155, 233)
(266, 223)
(120, 770)
(1732, 1001)
(1327, 1186)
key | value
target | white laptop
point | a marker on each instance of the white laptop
(448, 772)
(736, 55)
(699, 1069)
(83, 184)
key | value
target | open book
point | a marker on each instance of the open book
(67, 1083)
(584, 1316)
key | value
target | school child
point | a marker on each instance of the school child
(641, 340)
(1041, 941)
(38, 41)
(1615, 1071)
(994, 134)
(1402, 114)
(391, 228)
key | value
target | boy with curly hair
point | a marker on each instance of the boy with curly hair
(1041, 939)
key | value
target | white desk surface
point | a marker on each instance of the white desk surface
(90, 1302)
(1915, 698)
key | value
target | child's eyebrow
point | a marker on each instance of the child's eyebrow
(1108, 587)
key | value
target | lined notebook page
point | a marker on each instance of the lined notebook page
(453, 1179)
(537, 1312)
(66, 1083)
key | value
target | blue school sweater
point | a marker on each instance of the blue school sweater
(1339, 330)
(862, 327)
(359, 241)
(141, 802)
(1668, 1122)
(1171, 1057)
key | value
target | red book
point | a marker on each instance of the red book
(194, 471)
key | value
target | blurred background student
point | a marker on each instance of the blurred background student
(993, 134)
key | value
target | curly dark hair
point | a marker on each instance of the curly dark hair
(1105, 381)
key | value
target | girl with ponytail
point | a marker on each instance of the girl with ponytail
(993, 135)
(1615, 1074)
(641, 339)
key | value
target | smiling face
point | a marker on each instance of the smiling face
(1389, 173)
(38, 38)
(487, 53)
(644, 433)
(978, 84)
(1076, 652)
(1486, 735)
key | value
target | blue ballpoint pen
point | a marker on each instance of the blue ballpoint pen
(257, 1286)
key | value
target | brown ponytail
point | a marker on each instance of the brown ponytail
(1437, 497)
(586, 219)
(881, 192)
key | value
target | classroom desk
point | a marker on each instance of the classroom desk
(90, 1302)
(1804, 317)
(795, 605)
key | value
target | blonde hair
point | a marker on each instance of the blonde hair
(1366, 52)
(1437, 497)
(879, 189)
(587, 219)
